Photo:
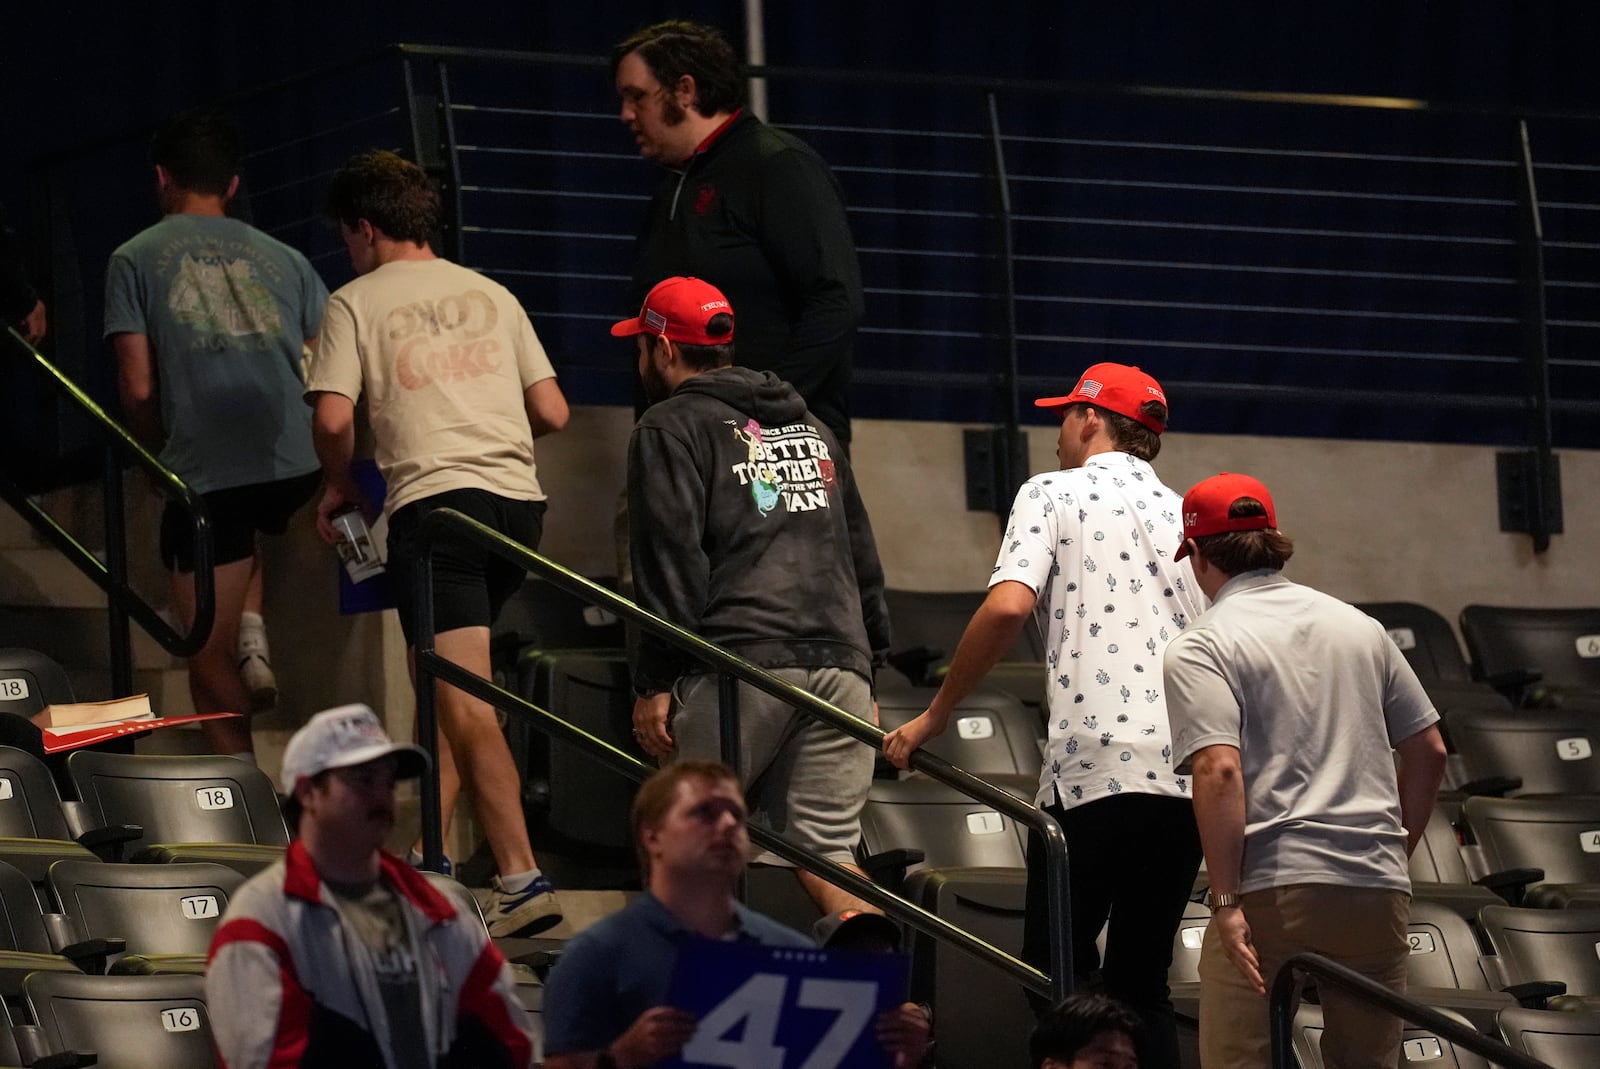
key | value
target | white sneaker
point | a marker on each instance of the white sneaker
(526, 912)
(255, 670)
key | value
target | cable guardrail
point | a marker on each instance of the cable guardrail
(111, 575)
(1286, 987)
(449, 525)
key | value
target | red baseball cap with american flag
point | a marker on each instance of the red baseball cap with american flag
(680, 309)
(1117, 388)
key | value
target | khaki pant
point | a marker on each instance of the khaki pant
(1361, 928)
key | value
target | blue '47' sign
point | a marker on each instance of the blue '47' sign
(783, 1007)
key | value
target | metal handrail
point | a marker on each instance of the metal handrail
(450, 525)
(1286, 985)
(111, 576)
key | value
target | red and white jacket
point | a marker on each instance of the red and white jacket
(288, 985)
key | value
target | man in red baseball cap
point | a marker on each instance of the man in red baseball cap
(1087, 552)
(745, 527)
(1289, 705)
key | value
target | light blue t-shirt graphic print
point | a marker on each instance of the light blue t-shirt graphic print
(227, 310)
(1095, 544)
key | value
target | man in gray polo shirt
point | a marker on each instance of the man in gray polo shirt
(1290, 705)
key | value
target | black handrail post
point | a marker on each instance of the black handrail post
(116, 529)
(427, 717)
(997, 457)
(456, 239)
(1530, 480)
(728, 721)
(1057, 889)
(1281, 1004)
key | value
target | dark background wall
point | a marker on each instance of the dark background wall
(77, 69)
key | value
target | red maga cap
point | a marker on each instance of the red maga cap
(679, 309)
(1205, 508)
(1117, 388)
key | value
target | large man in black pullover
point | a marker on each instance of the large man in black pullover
(746, 528)
(749, 208)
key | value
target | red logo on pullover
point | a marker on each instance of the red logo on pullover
(703, 198)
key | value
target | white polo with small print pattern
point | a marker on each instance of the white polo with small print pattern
(1095, 544)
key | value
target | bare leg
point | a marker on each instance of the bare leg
(449, 775)
(253, 589)
(832, 899)
(480, 753)
(214, 681)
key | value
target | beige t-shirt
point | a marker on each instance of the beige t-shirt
(443, 355)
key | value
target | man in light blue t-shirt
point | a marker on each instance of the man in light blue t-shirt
(208, 318)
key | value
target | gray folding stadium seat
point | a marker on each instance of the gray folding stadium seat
(1552, 751)
(917, 823)
(1419, 1047)
(128, 1022)
(577, 806)
(29, 681)
(928, 627)
(981, 1016)
(1524, 650)
(1438, 873)
(36, 826)
(1424, 637)
(991, 733)
(1565, 1040)
(190, 808)
(1545, 946)
(165, 915)
(1551, 843)
(32, 938)
(1445, 969)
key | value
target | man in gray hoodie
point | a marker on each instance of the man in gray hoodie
(746, 528)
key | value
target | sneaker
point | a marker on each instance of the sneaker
(414, 859)
(259, 682)
(526, 912)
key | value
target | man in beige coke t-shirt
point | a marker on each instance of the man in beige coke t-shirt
(457, 388)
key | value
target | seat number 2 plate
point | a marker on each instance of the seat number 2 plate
(210, 798)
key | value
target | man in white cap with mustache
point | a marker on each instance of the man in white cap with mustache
(342, 951)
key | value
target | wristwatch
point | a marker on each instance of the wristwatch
(1216, 902)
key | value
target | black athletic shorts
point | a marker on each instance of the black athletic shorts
(237, 513)
(469, 586)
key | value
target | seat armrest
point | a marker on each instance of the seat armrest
(1535, 993)
(90, 954)
(1491, 786)
(1511, 883)
(107, 842)
(888, 869)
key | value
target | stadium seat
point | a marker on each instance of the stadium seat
(917, 823)
(164, 914)
(1445, 969)
(578, 805)
(190, 808)
(128, 1022)
(1523, 651)
(981, 1017)
(1566, 1040)
(1552, 751)
(1550, 843)
(1438, 873)
(928, 627)
(1544, 946)
(991, 733)
(32, 938)
(35, 826)
(29, 681)
(1419, 1047)
(544, 616)
(1425, 637)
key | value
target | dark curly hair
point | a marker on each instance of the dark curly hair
(1073, 1024)
(393, 194)
(673, 49)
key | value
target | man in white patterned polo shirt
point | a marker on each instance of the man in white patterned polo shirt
(1088, 550)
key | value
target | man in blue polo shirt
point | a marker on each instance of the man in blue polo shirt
(604, 1004)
